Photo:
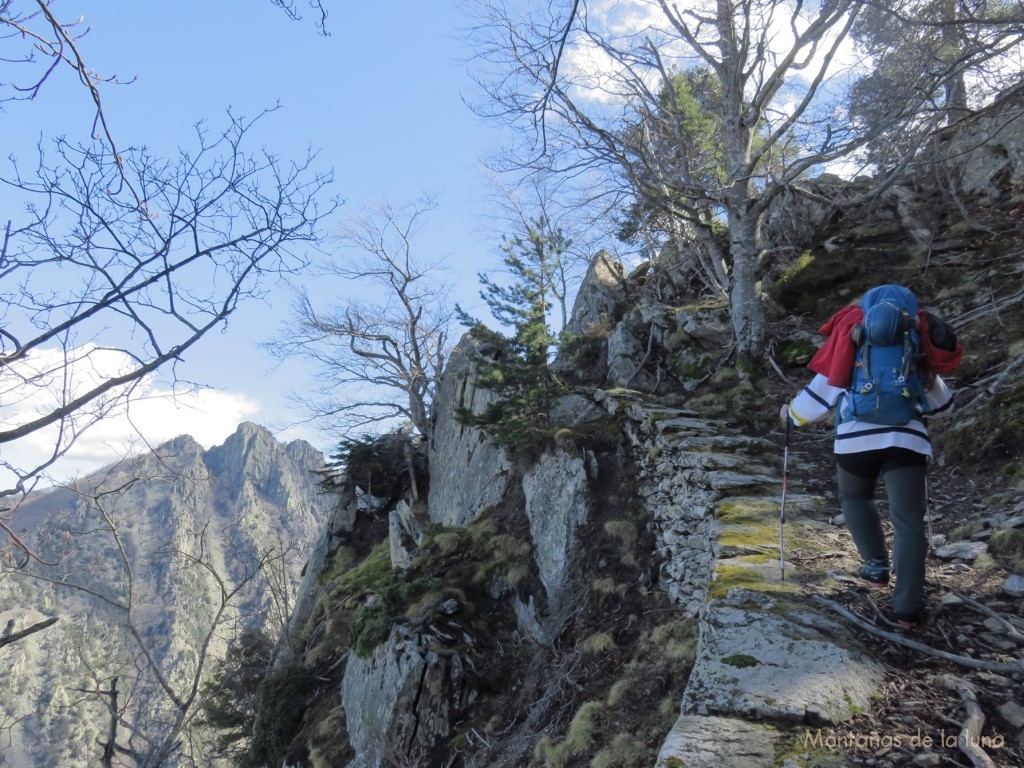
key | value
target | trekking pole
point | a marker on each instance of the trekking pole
(928, 497)
(928, 510)
(782, 507)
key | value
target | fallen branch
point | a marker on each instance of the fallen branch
(1011, 630)
(969, 739)
(778, 370)
(1002, 668)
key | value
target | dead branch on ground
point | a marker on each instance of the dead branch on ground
(1003, 668)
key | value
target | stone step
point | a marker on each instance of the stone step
(711, 742)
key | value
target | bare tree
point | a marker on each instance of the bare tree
(381, 350)
(585, 84)
(88, 274)
(119, 262)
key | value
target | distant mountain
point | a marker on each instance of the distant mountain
(152, 565)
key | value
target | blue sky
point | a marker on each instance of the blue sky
(380, 99)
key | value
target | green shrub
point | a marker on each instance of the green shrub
(377, 464)
(1008, 542)
(518, 372)
(283, 697)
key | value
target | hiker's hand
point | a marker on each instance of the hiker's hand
(784, 413)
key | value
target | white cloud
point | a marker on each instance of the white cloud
(626, 23)
(150, 416)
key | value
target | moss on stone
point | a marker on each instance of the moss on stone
(753, 537)
(795, 352)
(734, 575)
(746, 511)
(966, 530)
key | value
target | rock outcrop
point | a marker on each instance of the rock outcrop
(600, 298)
(404, 698)
(468, 471)
(557, 501)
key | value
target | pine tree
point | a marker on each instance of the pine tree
(516, 367)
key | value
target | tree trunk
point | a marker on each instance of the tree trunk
(744, 217)
(748, 319)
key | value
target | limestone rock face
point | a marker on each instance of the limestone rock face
(795, 215)
(601, 292)
(468, 471)
(574, 410)
(598, 304)
(339, 522)
(404, 534)
(988, 150)
(625, 351)
(403, 699)
(708, 327)
(557, 501)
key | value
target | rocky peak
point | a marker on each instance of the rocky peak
(181, 515)
(252, 456)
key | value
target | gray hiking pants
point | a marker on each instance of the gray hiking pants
(903, 473)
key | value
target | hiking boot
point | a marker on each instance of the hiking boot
(875, 573)
(907, 620)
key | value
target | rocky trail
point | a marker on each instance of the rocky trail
(974, 613)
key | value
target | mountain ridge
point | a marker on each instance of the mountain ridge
(167, 553)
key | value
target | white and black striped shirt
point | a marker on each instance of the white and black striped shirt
(819, 397)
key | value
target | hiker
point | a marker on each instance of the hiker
(879, 369)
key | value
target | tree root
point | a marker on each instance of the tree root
(1003, 668)
(1010, 630)
(969, 739)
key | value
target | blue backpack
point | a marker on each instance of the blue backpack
(886, 387)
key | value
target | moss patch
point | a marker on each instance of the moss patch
(746, 511)
(733, 575)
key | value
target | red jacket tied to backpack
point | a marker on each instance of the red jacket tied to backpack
(835, 357)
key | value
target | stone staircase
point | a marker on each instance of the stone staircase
(771, 672)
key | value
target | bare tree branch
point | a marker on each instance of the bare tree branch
(597, 110)
(139, 289)
(379, 358)
(14, 637)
